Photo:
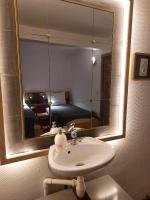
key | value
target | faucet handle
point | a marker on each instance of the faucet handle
(73, 124)
(71, 127)
(74, 134)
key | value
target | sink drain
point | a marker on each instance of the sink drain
(80, 164)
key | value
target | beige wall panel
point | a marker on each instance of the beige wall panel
(8, 55)
(7, 22)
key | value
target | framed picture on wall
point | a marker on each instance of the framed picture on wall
(141, 66)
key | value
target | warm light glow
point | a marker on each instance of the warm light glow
(26, 150)
(123, 63)
(93, 60)
(24, 103)
(52, 101)
(122, 1)
(116, 144)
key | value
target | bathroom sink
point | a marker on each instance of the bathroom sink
(86, 156)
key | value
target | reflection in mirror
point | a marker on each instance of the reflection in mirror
(35, 84)
(71, 90)
(101, 73)
(101, 92)
(65, 64)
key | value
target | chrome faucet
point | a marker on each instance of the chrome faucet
(71, 127)
(73, 131)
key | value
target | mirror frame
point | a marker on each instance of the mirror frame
(5, 159)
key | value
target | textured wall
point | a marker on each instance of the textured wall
(23, 180)
(8, 71)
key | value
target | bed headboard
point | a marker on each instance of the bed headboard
(35, 97)
(29, 94)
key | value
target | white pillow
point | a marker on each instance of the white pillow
(58, 98)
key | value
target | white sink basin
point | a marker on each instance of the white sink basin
(77, 160)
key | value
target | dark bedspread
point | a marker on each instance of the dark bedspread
(29, 120)
(28, 112)
(63, 114)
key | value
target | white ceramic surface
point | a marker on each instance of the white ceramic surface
(76, 160)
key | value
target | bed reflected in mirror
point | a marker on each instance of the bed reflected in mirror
(65, 95)
(66, 70)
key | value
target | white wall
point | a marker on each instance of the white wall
(44, 66)
(34, 65)
(60, 68)
(85, 78)
(23, 180)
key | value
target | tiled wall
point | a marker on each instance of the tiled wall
(23, 180)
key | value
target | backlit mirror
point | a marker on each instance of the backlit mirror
(69, 63)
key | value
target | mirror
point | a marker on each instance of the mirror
(44, 44)
(65, 65)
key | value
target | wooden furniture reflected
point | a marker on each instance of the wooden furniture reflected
(106, 64)
(42, 114)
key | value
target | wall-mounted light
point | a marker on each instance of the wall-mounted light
(93, 41)
(93, 60)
